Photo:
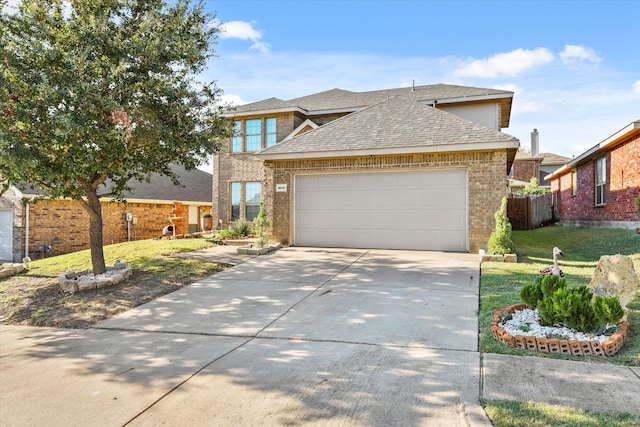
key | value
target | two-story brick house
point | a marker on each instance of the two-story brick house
(601, 186)
(411, 168)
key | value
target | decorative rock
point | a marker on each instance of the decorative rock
(103, 282)
(9, 269)
(258, 250)
(80, 281)
(86, 283)
(615, 276)
(68, 285)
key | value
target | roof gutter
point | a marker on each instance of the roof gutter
(627, 132)
(31, 197)
(439, 148)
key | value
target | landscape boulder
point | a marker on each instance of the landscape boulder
(615, 276)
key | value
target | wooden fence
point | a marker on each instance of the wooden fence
(526, 213)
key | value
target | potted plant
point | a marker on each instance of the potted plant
(206, 222)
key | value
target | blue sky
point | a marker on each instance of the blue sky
(574, 65)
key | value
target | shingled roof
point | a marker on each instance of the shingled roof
(196, 187)
(344, 100)
(394, 126)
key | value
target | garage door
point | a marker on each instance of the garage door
(419, 210)
(6, 235)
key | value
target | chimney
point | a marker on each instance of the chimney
(535, 142)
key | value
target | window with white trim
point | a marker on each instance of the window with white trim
(601, 181)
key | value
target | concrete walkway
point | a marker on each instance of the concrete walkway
(297, 337)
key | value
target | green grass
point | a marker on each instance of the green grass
(501, 282)
(34, 298)
(142, 254)
(505, 413)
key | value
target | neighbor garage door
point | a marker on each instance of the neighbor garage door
(6, 235)
(421, 210)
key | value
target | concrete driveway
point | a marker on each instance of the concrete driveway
(298, 337)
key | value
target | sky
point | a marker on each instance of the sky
(574, 66)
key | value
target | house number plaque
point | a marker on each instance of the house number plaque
(281, 188)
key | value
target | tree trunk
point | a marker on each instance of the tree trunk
(94, 208)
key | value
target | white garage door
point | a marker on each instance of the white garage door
(6, 235)
(421, 210)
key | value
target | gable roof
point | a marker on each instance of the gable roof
(340, 100)
(544, 158)
(624, 134)
(394, 126)
(196, 187)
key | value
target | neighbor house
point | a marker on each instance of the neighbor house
(412, 168)
(534, 164)
(601, 187)
(46, 227)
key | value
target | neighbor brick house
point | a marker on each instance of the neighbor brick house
(534, 164)
(49, 227)
(412, 168)
(601, 186)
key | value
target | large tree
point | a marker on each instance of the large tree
(94, 93)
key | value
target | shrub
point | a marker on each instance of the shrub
(241, 228)
(573, 307)
(500, 240)
(533, 188)
(608, 310)
(542, 288)
(237, 229)
(531, 294)
(261, 222)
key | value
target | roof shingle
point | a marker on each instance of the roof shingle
(397, 122)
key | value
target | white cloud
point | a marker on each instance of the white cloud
(231, 99)
(506, 64)
(573, 54)
(244, 31)
(636, 87)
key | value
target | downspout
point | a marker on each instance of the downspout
(26, 230)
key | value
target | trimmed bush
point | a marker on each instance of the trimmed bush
(574, 307)
(608, 310)
(500, 242)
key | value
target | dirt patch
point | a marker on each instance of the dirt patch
(35, 299)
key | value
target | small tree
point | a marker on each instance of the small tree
(261, 222)
(96, 93)
(500, 240)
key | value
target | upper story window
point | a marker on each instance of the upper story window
(236, 140)
(270, 127)
(601, 180)
(253, 135)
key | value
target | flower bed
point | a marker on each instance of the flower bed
(609, 347)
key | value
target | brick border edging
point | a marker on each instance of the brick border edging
(550, 345)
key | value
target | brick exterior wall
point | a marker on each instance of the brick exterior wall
(64, 224)
(524, 170)
(486, 172)
(242, 167)
(622, 188)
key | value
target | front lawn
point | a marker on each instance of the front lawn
(501, 282)
(34, 297)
